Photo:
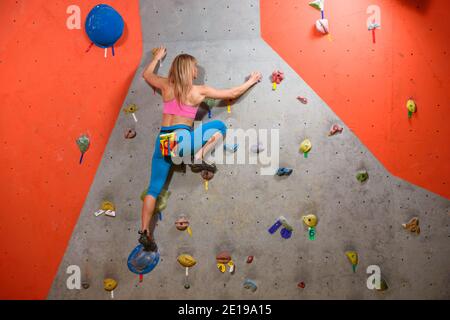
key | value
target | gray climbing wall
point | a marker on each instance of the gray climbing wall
(241, 204)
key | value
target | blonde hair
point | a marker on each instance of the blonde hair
(181, 75)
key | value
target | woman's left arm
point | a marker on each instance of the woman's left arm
(149, 75)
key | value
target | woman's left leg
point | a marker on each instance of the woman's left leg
(158, 176)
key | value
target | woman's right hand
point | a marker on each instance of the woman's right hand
(255, 77)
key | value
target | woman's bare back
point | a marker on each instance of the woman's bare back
(194, 98)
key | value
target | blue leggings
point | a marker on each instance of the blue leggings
(189, 142)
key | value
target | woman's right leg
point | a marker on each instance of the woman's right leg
(211, 132)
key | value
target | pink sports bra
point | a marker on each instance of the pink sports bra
(184, 110)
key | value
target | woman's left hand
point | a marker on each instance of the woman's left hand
(160, 53)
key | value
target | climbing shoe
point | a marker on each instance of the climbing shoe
(147, 243)
(203, 166)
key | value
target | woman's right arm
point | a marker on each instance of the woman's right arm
(232, 93)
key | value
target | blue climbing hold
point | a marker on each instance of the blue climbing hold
(250, 284)
(275, 227)
(141, 261)
(104, 26)
(231, 148)
(284, 172)
(285, 233)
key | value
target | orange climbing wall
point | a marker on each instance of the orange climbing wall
(51, 92)
(367, 85)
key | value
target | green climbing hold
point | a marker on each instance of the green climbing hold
(143, 194)
(210, 102)
(161, 200)
(383, 285)
(83, 143)
(312, 233)
(362, 176)
(317, 4)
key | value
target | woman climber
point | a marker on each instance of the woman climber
(181, 99)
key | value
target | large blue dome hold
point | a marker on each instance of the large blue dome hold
(141, 261)
(104, 25)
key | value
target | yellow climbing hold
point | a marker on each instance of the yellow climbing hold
(411, 106)
(186, 260)
(108, 205)
(305, 146)
(310, 220)
(353, 258)
(109, 284)
(131, 108)
(221, 267)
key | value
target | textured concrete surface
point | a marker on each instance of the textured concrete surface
(241, 204)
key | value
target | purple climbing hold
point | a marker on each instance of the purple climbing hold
(275, 227)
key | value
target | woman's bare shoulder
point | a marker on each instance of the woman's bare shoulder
(197, 92)
(199, 89)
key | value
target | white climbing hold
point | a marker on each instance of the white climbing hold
(257, 148)
(110, 213)
(99, 212)
(322, 26)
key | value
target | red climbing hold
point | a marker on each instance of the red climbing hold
(335, 129)
(249, 259)
(277, 76)
(301, 285)
(302, 99)
(130, 133)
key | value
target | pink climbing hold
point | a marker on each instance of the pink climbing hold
(335, 129)
(277, 76)
(302, 99)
